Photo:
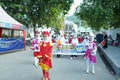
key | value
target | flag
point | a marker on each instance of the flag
(103, 43)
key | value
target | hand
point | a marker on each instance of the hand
(74, 45)
(32, 48)
(37, 47)
(93, 53)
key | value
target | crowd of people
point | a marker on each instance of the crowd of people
(105, 39)
(72, 39)
(43, 48)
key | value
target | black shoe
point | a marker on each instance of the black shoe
(58, 56)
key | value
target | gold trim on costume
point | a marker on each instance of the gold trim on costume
(39, 56)
(47, 56)
(44, 67)
(51, 44)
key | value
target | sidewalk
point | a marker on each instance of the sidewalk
(112, 55)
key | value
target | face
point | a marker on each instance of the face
(45, 37)
(90, 39)
(36, 36)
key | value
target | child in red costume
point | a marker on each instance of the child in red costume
(45, 55)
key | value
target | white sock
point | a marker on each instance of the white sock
(36, 61)
(87, 62)
(93, 68)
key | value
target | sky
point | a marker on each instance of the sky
(74, 5)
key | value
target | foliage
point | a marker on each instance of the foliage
(5, 36)
(74, 19)
(41, 12)
(100, 13)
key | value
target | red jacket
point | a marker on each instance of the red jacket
(46, 55)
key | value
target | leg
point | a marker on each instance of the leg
(75, 56)
(58, 55)
(87, 62)
(93, 68)
(43, 71)
(47, 76)
(36, 61)
(71, 56)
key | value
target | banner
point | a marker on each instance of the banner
(11, 44)
(68, 49)
(7, 25)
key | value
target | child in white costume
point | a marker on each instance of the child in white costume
(36, 48)
(90, 54)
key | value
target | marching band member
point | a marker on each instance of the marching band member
(45, 55)
(35, 47)
(74, 42)
(90, 54)
(62, 41)
(58, 44)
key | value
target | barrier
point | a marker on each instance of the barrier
(12, 44)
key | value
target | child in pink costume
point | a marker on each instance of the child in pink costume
(90, 54)
(36, 48)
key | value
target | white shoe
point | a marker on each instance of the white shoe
(71, 57)
(36, 66)
(87, 71)
(74, 57)
(93, 72)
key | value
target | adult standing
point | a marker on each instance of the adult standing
(45, 55)
(99, 38)
(118, 38)
(74, 42)
(63, 40)
(105, 38)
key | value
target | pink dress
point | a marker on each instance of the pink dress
(90, 54)
(36, 46)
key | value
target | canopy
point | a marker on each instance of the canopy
(6, 21)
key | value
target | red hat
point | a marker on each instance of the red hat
(46, 33)
(37, 33)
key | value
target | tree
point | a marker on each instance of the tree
(41, 12)
(100, 13)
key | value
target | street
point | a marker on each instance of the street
(20, 66)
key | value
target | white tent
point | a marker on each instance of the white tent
(15, 32)
(7, 21)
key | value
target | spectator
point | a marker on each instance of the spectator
(99, 38)
(118, 38)
(105, 38)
